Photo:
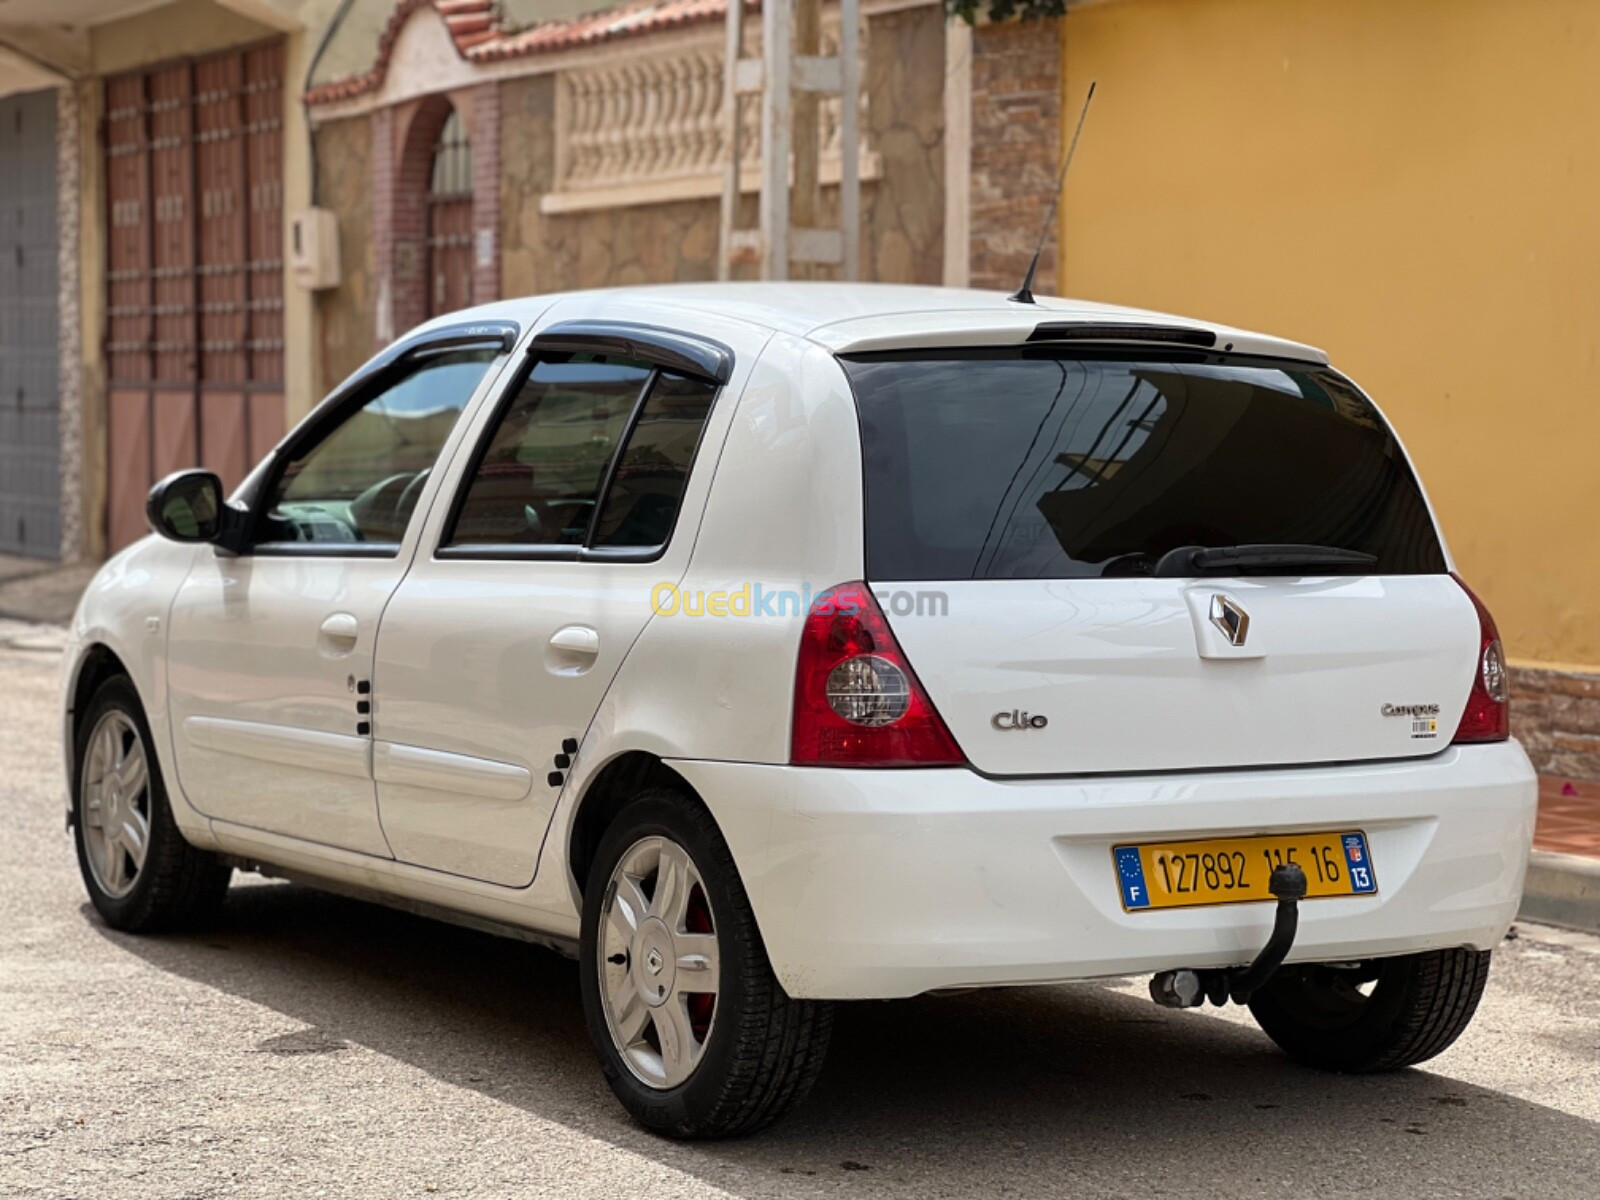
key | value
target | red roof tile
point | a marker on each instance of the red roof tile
(627, 20)
(476, 27)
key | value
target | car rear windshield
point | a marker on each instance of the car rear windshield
(1027, 464)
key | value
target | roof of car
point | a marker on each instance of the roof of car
(858, 317)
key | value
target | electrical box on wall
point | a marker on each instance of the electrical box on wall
(314, 249)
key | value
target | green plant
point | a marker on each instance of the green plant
(1005, 10)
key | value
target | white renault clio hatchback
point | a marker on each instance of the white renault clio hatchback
(771, 645)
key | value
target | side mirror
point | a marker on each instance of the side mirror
(186, 507)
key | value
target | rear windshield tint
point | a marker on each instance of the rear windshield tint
(983, 465)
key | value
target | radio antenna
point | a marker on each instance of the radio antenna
(1024, 294)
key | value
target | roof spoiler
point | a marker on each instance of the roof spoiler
(1077, 331)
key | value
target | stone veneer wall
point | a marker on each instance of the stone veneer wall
(1556, 715)
(1016, 149)
(902, 210)
(513, 138)
(903, 238)
(527, 171)
(347, 315)
(552, 252)
(70, 348)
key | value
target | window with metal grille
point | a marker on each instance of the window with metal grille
(450, 219)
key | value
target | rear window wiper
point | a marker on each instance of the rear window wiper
(1266, 557)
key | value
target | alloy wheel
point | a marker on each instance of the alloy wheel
(659, 964)
(115, 810)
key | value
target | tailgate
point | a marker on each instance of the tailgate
(1133, 675)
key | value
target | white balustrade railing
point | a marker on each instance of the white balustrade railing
(647, 128)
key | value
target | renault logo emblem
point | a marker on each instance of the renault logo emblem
(1227, 616)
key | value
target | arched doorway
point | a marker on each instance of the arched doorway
(436, 205)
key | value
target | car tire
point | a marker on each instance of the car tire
(688, 1068)
(1415, 1007)
(119, 801)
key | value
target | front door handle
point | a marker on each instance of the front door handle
(576, 639)
(340, 632)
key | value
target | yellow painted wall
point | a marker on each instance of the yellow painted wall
(1413, 185)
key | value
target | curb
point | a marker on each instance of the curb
(1562, 889)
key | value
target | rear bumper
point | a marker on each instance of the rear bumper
(875, 884)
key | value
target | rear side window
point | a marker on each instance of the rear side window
(1004, 465)
(590, 451)
(653, 468)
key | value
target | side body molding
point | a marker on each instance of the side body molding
(442, 771)
(284, 745)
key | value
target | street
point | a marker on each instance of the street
(314, 1046)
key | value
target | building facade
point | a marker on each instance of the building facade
(160, 332)
(465, 150)
(1410, 186)
(587, 151)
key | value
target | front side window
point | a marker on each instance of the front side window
(359, 482)
(590, 451)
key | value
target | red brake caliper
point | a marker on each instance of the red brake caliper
(701, 1004)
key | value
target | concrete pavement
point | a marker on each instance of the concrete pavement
(314, 1046)
(37, 590)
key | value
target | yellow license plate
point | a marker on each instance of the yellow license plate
(1235, 870)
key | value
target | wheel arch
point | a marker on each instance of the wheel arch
(98, 659)
(606, 795)
(97, 663)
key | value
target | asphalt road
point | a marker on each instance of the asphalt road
(313, 1046)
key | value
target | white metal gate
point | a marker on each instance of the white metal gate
(30, 438)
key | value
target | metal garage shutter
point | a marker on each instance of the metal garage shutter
(30, 438)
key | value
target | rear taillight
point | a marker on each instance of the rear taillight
(857, 701)
(1488, 714)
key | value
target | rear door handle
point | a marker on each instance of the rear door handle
(576, 639)
(341, 630)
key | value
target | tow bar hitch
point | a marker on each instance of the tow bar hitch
(1190, 989)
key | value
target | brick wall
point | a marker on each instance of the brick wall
(485, 136)
(403, 140)
(1016, 147)
(382, 159)
(417, 128)
(1556, 715)
(902, 210)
